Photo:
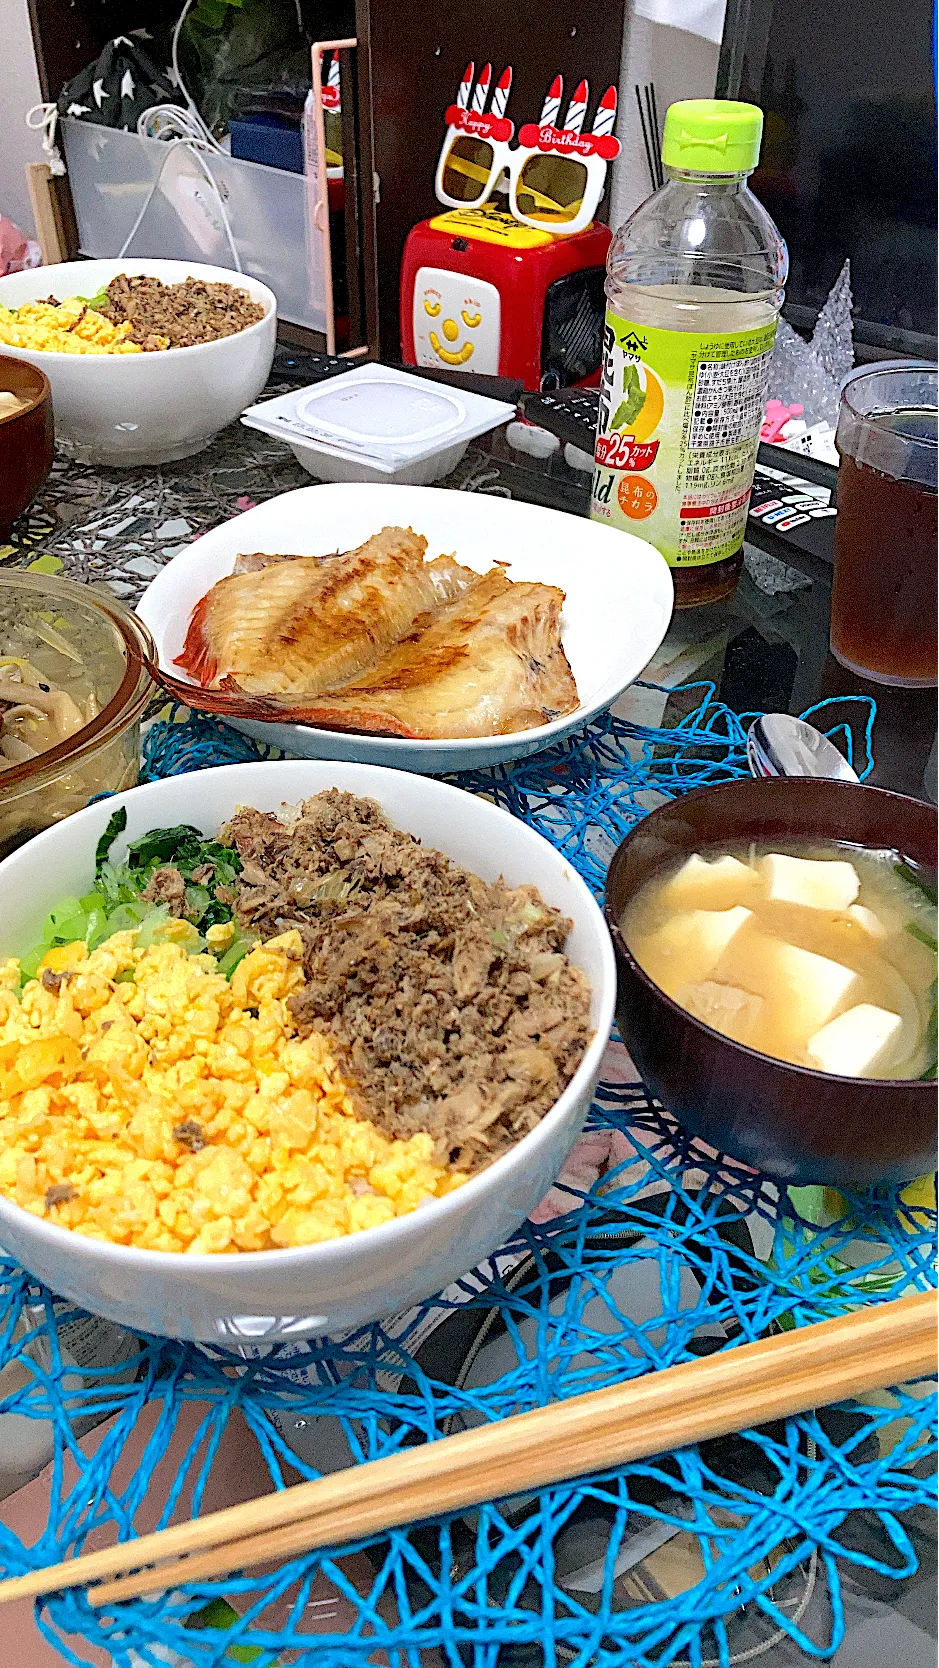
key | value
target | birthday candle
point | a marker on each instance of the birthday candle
(606, 112)
(462, 97)
(333, 78)
(482, 89)
(577, 109)
(500, 97)
(550, 110)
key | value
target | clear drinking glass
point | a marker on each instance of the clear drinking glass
(883, 600)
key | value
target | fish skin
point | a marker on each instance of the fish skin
(490, 663)
(294, 628)
(254, 561)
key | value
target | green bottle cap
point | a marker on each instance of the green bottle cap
(712, 136)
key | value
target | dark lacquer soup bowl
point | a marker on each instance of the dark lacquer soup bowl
(791, 1122)
(26, 439)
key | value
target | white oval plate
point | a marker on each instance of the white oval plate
(618, 592)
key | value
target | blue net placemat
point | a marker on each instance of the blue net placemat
(706, 1557)
(585, 793)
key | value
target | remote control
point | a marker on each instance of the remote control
(571, 414)
(296, 365)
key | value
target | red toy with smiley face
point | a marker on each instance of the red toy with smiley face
(481, 293)
(520, 293)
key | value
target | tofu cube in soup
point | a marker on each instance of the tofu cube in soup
(718, 883)
(857, 1043)
(688, 946)
(801, 989)
(827, 885)
(730, 1010)
(875, 926)
(814, 959)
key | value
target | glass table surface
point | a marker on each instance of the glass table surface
(765, 648)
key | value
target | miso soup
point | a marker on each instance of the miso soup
(823, 955)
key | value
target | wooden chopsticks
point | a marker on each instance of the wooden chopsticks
(870, 1349)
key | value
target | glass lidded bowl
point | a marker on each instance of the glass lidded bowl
(84, 642)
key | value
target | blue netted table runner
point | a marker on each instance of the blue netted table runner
(672, 1251)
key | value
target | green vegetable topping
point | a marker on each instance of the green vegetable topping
(913, 877)
(97, 301)
(116, 901)
(116, 825)
(166, 845)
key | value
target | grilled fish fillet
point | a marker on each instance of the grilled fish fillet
(490, 663)
(293, 628)
(254, 561)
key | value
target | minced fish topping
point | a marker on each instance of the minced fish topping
(159, 315)
(148, 1100)
(448, 999)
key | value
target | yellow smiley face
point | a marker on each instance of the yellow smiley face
(451, 330)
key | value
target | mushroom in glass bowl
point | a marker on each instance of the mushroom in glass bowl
(75, 679)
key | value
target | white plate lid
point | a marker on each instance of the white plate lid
(379, 412)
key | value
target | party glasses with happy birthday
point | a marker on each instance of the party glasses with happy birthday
(555, 174)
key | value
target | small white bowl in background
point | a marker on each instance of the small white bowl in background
(325, 465)
(127, 409)
(376, 423)
(254, 1296)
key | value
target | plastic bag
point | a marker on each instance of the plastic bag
(241, 56)
(811, 373)
(252, 57)
(119, 86)
(17, 251)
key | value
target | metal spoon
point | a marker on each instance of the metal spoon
(779, 745)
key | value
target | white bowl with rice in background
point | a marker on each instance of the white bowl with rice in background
(146, 408)
(246, 1296)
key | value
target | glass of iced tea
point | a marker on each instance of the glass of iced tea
(883, 600)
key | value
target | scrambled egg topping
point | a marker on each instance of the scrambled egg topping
(71, 327)
(146, 1100)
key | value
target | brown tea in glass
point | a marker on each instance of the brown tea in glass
(883, 600)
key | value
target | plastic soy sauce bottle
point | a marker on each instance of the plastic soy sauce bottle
(694, 287)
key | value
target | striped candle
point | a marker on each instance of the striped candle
(577, 109)
(606, 112)
(551, 108)
(482, 89)
(466, 85)
(500, 97)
